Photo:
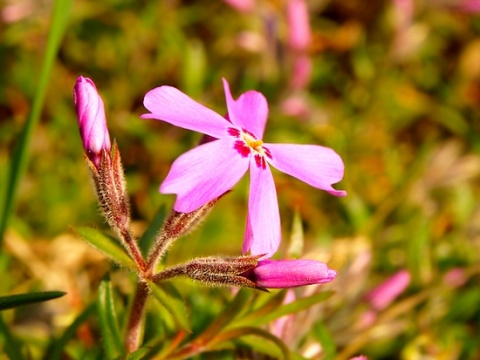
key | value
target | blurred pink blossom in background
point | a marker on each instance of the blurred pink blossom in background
(469, 6)
(281, 327)
(384, 294)
(241, 5)
(455, 277)
(301, 72)
(299, 32)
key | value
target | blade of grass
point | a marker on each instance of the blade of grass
(11, 301)
(112, 341)
(18, 164)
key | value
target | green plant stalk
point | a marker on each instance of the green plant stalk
(18, 164)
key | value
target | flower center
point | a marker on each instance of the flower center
(247, 144)
(253, 143)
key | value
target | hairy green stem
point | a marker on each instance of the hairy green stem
(134, 334)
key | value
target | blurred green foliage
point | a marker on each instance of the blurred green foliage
(399, 103)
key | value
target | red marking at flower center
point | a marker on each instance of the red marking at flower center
(242, 148)
(247, 143)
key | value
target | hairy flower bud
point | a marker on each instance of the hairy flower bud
(216, 271)
(91, 119)
(277, 274)
(105, 164)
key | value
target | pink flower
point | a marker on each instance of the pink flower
(388, 291)
(279, 274)
(91, 119)
(209, 170)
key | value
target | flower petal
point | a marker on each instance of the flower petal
(263, 233)
(203, 174)
(278, 274)
(316, 165)
(171, 105)
(249, 111)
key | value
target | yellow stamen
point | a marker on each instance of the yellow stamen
(255, 143)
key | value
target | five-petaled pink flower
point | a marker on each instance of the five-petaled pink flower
(209, 170)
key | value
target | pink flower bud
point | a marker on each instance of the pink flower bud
(385, 293)
(276, 274)
(91, 119)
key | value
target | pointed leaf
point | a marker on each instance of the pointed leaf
(11, 301)
(139, 354)
(111, 339)
(107, 245)
(170, 298)
(234, 334)
(265, 309)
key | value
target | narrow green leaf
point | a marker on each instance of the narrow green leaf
(252, 318)
(11, 346)
(61, 11)
(233, 310)
(325, 338)
(261, 316)
(57, 347)
(12, 301)
(170, 298)
(146, 241)
(111, 339)
(106, 245)
(234, 334)
(139, 354)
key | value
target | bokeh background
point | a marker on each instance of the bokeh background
(392, 86)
